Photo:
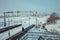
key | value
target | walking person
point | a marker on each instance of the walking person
(22, 28)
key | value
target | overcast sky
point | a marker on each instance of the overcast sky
(47, 6)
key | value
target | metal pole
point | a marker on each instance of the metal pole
(9, 25)
(9, 33)
(29, 20)
(36, 18)
(4, 19)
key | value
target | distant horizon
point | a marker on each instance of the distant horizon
(22, 13)
(38, 13)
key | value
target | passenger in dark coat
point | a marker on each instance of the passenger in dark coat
(43, 26)
(22, 28)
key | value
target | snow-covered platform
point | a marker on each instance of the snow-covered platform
(40, 34)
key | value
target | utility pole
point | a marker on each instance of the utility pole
(36, 18)
(4, 19)
(29, 18)
(9, 20)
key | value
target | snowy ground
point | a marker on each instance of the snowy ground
(25, 23)
(35, 33)
(54, 27)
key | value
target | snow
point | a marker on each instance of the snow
(55, 27)
(4, 35)
(35, 33)
(25, 23)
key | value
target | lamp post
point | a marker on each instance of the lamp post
(4, 19)
(36, 19)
